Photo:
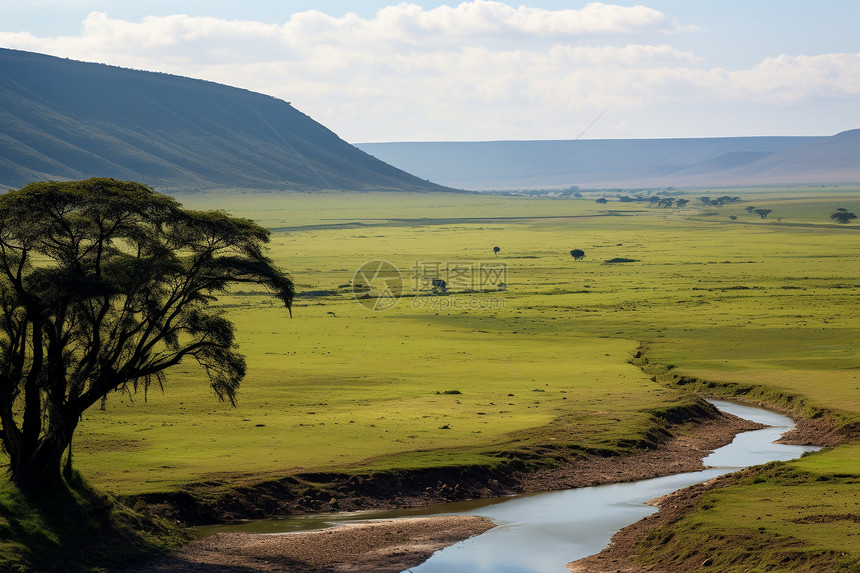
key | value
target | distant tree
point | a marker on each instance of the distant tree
(841, 209)
(626, 199)
(843, 217)
(763, 213)
(496, 250)
(621, 260)
(733, 217)
(577, 254)
(705, 200)
(724, 200)
(104, 286)
(666, 202)
(439, 285)
(749, 209)
(681, 202)
(601, 201)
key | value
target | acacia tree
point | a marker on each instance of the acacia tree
(104, 286)
(843, 216)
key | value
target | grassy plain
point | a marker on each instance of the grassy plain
(462, 377)
(342, 386)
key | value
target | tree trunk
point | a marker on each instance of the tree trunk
(39, 471)
(67, 469)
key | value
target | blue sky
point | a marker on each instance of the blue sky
(484, 70)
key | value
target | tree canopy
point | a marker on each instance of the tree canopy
(104, 286)
(843, 216)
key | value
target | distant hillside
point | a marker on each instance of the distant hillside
(61, 119)
(630, 163)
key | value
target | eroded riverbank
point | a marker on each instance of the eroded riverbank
(540, 533)
(682, 453)
(679, 447)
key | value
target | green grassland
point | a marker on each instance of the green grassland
(797, 516)
(762, 308)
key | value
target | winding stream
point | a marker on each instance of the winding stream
(540, 533)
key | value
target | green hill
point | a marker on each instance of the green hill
(62, 119)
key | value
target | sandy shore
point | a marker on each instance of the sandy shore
(396, 545)
(379, 547)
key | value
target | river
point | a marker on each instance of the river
(540, 533)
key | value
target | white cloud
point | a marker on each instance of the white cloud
(478, 70)
(793, 78)
(487, 18)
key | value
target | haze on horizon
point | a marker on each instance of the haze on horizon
(488, 70)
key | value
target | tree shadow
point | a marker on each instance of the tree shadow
(74, 528)
(180, 565)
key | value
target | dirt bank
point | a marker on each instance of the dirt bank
(618, 557)
(679, 454)
(679, 449)
(381, 547)
(399, 544)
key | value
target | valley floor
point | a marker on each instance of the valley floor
(529, 358)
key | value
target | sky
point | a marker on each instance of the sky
(484, 70)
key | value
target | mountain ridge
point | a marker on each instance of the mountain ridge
(63, 119)
(630, 163)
